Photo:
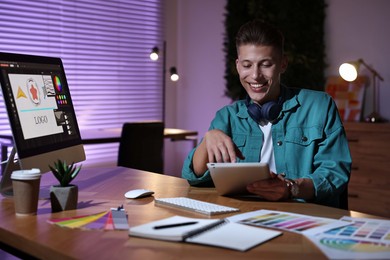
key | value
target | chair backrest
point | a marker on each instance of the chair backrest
(141, 146)
(344, 199)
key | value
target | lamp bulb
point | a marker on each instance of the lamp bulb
(348, 72)
(174, 77)
(154, 56)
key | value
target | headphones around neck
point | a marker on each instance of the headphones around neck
(268, 111)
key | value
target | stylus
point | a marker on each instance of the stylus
(176, 225)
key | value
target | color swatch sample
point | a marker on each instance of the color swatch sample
(103, 220)
(375, 230)
(364, 238)
(288, 221)
(353, 245)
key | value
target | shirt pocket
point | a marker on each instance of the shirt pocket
(304, 136)
(239, 140)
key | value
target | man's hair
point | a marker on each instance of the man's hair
(257, 32)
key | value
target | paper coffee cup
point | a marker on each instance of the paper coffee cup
(25, 185)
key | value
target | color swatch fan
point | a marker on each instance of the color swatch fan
(107, 220)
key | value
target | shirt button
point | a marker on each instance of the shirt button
(279, 143)
(304, 138)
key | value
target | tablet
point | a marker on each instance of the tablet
(232, 178)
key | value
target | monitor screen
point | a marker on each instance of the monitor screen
(40, 111)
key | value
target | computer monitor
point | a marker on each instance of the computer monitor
(41, 114)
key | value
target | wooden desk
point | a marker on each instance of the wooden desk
(101, 189)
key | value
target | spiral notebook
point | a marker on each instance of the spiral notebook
(211, 232)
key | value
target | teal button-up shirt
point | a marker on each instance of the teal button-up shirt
(308, 137)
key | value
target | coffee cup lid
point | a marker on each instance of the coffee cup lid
(26, 174)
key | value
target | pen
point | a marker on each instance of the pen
(175, 225)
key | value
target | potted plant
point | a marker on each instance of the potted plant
(65, 195)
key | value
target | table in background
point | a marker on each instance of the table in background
(101, 136)
(102, 189)
(112, 135)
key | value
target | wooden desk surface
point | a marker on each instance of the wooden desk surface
(101, 189)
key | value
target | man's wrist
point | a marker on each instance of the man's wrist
(293, 188)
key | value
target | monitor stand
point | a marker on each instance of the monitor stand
(6, 182)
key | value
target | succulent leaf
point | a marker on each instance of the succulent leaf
(64, 173)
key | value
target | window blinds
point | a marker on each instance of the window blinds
(105, 48)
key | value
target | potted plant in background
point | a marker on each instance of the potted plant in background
(65, 195)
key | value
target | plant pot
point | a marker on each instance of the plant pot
(63, 198)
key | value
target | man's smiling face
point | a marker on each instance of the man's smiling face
(259, 68)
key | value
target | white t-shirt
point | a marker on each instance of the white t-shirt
(267, 151)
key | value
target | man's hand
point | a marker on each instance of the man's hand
(276, 188)
(272, 189)
(220, 147)
(216, 146)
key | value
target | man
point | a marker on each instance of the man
(297, 132)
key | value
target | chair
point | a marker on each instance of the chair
(344, 199)
(141, 146)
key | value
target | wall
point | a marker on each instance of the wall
(200, 62)
(358, 29)
(354, 29)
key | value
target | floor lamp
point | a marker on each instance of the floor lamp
(349, 72)
(154, 55)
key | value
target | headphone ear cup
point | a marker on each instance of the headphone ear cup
(255, 111)
(268, 111)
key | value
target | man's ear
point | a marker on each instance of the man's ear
(284, 64)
